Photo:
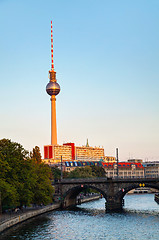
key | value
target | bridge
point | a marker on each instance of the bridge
(113, 190)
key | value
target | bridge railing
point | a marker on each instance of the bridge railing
(97, 180)
(132, 177)
(105, 178)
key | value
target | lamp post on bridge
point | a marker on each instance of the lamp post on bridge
(117, 160)
(61, 169)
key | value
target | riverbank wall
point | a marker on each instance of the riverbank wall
(30, 214)
(157, 198)
(25, 216)
(88, 199)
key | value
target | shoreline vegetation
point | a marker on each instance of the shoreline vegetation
(24, 178)
(26, 181)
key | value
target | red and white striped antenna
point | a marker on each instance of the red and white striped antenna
(52, 61)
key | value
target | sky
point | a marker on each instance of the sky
(106, 55)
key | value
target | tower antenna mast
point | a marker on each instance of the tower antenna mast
(52, 60)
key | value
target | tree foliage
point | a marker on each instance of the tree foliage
(56, 173)
(36, 155)
(87, 172)
(98, 171)
(23, 179)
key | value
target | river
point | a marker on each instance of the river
(138, 221)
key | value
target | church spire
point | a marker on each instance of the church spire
(87, 144)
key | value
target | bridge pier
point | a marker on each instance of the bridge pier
(67, 203)
(114, 205)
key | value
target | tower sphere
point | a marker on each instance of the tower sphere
(53, 88)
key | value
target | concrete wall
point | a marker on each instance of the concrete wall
(89, 199)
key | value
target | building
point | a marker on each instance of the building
(151, 169)
(136, 160)
(89, 153)
(125, 170)
(53, 153)
(70, 166)
(109, 159)
(70, 152)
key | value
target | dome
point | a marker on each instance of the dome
(53, 88)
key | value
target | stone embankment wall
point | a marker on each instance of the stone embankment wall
(88, 199)
(30, 214)
(22, 217)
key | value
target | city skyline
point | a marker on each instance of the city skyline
(106, 57)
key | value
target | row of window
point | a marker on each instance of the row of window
(81, 164)
(126, 173)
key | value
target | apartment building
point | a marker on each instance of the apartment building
(125, 170)
(109, 159)
(89, 153)
(53, 153)
(70, 152)
(151, 169)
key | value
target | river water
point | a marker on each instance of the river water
(138, 221)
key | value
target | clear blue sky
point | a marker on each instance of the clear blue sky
(106, 56)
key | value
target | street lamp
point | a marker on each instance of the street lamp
(61, 170)
(117, 160)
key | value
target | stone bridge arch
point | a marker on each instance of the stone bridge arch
(124, 189)
(70, 196)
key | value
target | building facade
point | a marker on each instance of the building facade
(151, 169)
(125, 170)
(89, 153)
(70, 152)
(109, 159)
(135, 160)
(53, 153)
(70, 166)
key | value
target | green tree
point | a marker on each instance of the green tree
(23, 180)
(56, 173)
(98, 171)
(12, 158)
(43, 190)
(36, 155)
(83, 172)
(9, 195)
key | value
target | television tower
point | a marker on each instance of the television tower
(53, 88)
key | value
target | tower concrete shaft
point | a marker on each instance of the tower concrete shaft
(53, 121)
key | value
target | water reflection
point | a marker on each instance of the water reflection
(139, 220)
